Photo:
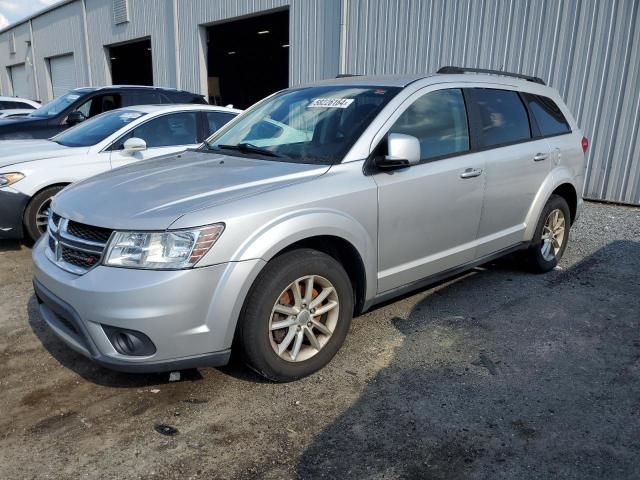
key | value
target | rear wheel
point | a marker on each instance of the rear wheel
(296, 316)
(551, 236)
(36, 214)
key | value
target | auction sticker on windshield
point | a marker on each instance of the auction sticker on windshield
(330, 103)
(130, 116)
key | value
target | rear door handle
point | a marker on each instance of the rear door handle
(471, 172)
(540, 157)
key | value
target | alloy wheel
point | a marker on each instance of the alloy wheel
(553, 233)
(303, 318)
(42, 216)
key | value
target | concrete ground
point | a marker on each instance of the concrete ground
(496, 374)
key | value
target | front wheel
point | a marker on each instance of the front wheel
(296, 315)
(551, 236)
(36, 215)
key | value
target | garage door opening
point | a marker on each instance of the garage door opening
(131, 63)
(19, 84)
(248, 59)
(62, 74)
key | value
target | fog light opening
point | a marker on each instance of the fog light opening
(129, 342)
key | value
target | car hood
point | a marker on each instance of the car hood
(13, 121)
(153, 194)
(18, 151)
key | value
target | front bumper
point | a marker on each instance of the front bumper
(12, 205)
(189, 315)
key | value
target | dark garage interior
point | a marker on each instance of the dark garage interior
(248, 59)
(131, 63)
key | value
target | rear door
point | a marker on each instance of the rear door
(169, 133)
(429, 213)
(516, 164)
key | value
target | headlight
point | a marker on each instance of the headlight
(161, 250)
(7, 179)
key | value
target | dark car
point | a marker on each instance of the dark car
(82, 103)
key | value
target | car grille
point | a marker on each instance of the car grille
(87, 232)
(75, 247)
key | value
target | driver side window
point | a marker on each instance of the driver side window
(165, 131)
(99, 104)
(85, 108)
(439, 121)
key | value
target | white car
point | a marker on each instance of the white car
(33, 171)
(14, 106)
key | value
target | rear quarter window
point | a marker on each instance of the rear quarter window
(547, 116)
(501, 117)
(182, 97)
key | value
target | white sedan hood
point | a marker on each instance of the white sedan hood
(19, 151)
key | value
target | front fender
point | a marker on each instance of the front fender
(556, 177)
(282, 231)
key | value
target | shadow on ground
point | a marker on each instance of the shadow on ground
(499, 378)
(9, 245)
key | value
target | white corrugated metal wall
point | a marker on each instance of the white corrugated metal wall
(23, 55)
(588, 49)
(55, 34)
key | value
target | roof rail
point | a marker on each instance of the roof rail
(529, 78)
(346, 75)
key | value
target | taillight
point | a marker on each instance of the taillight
(585, 144)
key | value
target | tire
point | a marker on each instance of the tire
(258, 341)
(37, 206)
(537, 258)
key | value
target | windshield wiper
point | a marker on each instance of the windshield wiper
(249, 148)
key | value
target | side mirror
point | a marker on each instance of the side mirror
(404, 151)
(75, 117)
(134, 145)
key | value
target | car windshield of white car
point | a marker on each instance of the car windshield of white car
(96, 129)
(306, 125)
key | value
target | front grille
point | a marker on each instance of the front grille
(74, 246)
(78, 258)
(88, 232)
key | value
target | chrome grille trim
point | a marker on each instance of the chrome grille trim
(64, 234)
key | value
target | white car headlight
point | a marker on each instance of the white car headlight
(169, 250)
(7, 179)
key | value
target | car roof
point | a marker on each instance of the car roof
(178, 107)
(372, 80)
(15, 99)
(432, 79)
(132, 87)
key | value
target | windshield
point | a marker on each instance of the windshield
(307, 125)
(56, 106)
(97, 128)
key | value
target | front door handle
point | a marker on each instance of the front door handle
(540, 157)
(471, 172)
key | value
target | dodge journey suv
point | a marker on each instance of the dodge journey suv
(314, 205)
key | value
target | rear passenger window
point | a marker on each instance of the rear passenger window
(502, 116)
(144, 98)
(215, 121)
(547, 115)
(439, 121)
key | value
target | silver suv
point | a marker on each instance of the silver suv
(314, 205)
